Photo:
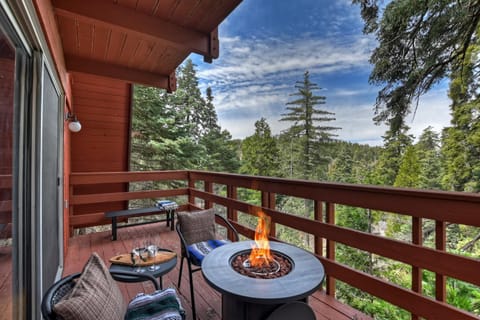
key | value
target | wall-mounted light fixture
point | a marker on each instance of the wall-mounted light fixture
(74, 124)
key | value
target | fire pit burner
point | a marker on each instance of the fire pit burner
(249, 298)
(278, 267)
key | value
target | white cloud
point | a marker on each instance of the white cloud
(433, 110)
(254, 77)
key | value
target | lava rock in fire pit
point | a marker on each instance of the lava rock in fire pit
(277, 268)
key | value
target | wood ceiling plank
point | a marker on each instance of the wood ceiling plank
(183, 11)
(128, 3)
(101, 42)
(163, 9)
(143, 54)
(115, 45)
(68, 34)
(137, 23)
(128, 50)
(169, 57)
(86, 34)
(80, 64)
(216, 16)
(198, 15)
(147, 6)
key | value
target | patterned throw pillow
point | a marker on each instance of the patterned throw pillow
(95, 296)
(197, 226)
(162, 304)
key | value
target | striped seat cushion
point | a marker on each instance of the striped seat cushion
(200, 249)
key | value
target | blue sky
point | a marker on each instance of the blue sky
(267, 45)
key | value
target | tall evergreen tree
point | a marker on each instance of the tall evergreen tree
(428, 151)
(260, 153)
(188, 100)
(395, 145)
(409, 170)
(308, 127)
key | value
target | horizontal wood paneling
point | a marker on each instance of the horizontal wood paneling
(102, 106)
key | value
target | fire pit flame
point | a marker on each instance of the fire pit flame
(274, 267)
(260, 254)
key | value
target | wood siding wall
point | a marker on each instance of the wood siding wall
(102, 106)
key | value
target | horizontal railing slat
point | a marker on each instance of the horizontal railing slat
(128, 195)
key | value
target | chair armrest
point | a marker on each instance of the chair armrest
(229, 226)
(146, 277)
(53, 294)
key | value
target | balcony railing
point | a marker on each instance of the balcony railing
(222, 190)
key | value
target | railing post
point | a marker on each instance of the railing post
(232, 214)
(208, 188)
(318, 216)
(417, 238)
(440, 244)
(191, 185)
(330, 217)
(268, 201)
(70, 210)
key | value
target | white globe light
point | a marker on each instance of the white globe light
(75, 126)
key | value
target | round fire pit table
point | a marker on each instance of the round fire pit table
(249, 298)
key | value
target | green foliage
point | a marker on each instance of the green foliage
(260, 154)
(409, 172)
(428, 151)
(395, 145)
(419, 43)
(179, 130)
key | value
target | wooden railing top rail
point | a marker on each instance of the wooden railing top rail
(79, 178)
(455, 207)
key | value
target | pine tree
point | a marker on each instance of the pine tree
(428, 151)
(409, 170)
(307, 128)
(395, 145)
(260, 153)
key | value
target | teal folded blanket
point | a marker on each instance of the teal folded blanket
(162, 304)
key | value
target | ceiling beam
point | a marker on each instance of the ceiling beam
(131, 21)
(79, 64)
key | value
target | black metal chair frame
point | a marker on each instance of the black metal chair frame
(63, 286)
(193, 262)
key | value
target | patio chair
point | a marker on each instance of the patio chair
(196, 231)
(93, 294)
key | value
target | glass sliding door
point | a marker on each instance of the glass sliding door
(7, 94)
(31, 184)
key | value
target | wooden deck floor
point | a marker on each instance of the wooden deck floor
(208, 301)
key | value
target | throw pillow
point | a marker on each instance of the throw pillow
(95, 296)
(197, 226)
